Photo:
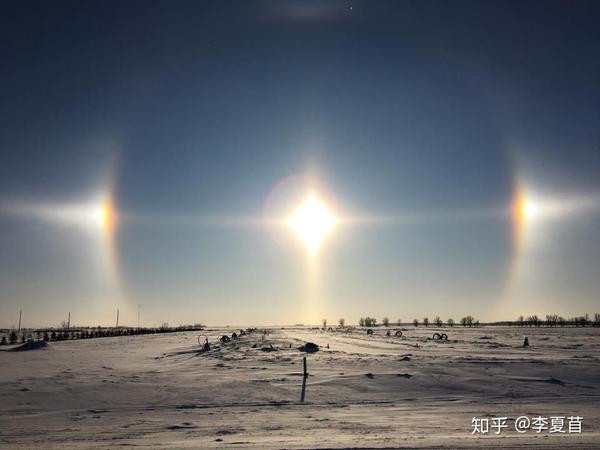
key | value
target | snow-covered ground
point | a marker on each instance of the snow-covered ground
(158, 391)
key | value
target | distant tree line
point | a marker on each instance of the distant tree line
(554, 320)
(467, 321)
(52, 335)
(551, 320)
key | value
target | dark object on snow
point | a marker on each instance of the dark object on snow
(224, 339)
(389, 333)
(242, 332)
(526, 342)
(398, 333)
(369, 331)
(438, 336)
(404, 375)
(206, 346)
(234, 335)
(309, 347)
(270, 348)
(254, 345)
(30, 345)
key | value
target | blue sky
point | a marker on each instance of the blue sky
(196, 109)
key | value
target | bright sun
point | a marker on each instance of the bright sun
(105, 216)
(527, 209)
(312, 221)
(530, 209)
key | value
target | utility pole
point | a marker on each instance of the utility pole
(69, 321)
(139, 308)
(20, 314)
(117, 318)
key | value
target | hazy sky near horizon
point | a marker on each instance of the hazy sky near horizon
(190, 115)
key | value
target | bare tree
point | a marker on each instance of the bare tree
(399, 322)
(385, 321)
(342, 322)
(551, 320)
(450, 322)
(324, 321)
(438, 321)
(580, 321)
(597, 319)
(416, 322)
(370, 322)
(469, 321)
(426, 321)
(361, 322)
(520, 321)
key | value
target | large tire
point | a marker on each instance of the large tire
(369, 331)
(436, 336)
(398, 333)
(224, 339)
(444, 337)
(204, 345)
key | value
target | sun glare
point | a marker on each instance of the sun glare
(528, 209)
(105, 216)
(312, 221)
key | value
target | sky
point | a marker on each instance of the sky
(146, 147)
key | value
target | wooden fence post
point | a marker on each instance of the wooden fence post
(304, 377)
